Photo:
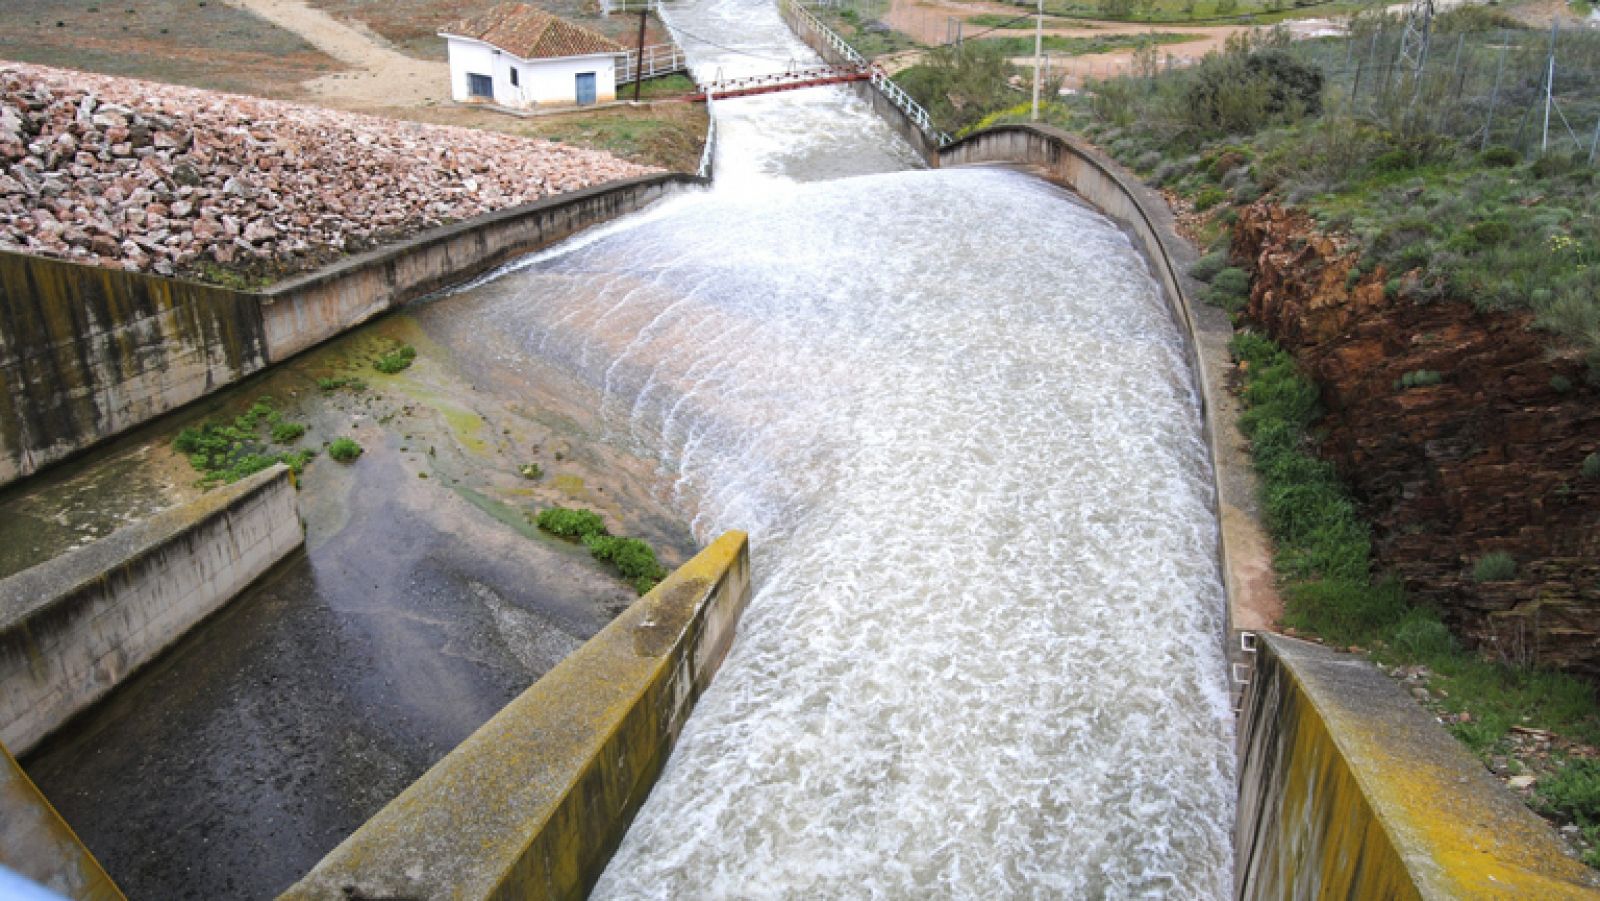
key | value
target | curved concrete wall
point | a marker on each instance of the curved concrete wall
(74, 627)
(86, 353)
(1349, 789)
(533, 804)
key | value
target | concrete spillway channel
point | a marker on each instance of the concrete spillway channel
(970, 428)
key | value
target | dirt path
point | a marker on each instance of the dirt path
(379, 75)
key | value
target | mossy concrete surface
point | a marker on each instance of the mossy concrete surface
(533, 804)
(37, 843)
(74, 627)
(87, 353)
(1349, 789)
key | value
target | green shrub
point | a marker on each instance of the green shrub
(1418, 378)
(569, 522)
(1495, 566)
(1500, 156)
(1572, 793)
(395, 360)
(344, 450)
(1590, 467)
(1490, 232)
(633, 559)
(531, 471)
(1207, 267)
(287, 432)
(1209, 197)
(1232, 280)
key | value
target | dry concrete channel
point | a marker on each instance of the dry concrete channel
(994, 526)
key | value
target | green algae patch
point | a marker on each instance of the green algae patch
(570, 485)
(534, 801)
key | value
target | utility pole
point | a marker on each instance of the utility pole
(638, 64)
(1038, 56)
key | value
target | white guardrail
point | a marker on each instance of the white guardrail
(880, 78)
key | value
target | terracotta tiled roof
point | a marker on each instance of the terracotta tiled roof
(532, 33)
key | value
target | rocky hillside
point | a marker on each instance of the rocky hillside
(173, 180)
(1462, 432)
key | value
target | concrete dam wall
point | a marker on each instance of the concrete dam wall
(1349, 789)
(533, 804)
(87, 353)
(74, 627)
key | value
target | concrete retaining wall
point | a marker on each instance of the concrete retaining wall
(37, 843)
(886, 109)
(533, 804)
(1349, 789)
(86, 353)
(74, 627)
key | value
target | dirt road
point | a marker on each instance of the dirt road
(379, 75)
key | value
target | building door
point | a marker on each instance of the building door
(585, 88)
(480, 86)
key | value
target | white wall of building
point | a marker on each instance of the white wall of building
(544, 82)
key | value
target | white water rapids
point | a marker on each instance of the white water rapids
(983, 657)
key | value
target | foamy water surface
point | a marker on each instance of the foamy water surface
(983, 657)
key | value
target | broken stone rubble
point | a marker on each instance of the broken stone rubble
(150, 177)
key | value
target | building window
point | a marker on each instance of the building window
(480, 86)
(514, 81)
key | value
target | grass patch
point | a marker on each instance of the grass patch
(228, 450)
(1573, 795)
(345, 382)
(632, 558)
(1324, 563)
(1495, 566)
(344, 450)
(1023, 46)
(396, 360)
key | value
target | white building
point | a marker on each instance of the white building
(519, 56)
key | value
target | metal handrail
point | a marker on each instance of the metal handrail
(880, 78)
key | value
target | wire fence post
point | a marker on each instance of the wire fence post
(1549, 88)
(1494, 96)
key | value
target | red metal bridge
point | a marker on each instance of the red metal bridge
(791, 79)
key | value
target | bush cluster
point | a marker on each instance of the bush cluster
(632, 558)
(227, 451)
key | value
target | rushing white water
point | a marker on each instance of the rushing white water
(983, 655)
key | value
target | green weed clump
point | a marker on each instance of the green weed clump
(1572, 794)
(1324, 559)
(570, 522)
(344, 450)
(395, 360)
(1230, 289)
(287, 432)
(632, 558)
(1590, 467)
(1209, 266)
(1418, 378)
(334, 384)
(227, 451)
(1495, 566)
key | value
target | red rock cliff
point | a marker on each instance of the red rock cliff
(1487, 460)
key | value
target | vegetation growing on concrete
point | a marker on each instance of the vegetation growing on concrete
(227, 451)
(1324, 561)
(348, 383)
(632, 558)
(396, 360)
(344, 450)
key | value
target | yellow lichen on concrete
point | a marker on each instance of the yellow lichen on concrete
(37, 843)
(534, 802)
(1375, 800)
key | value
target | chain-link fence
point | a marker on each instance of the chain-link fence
(1534, 92)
